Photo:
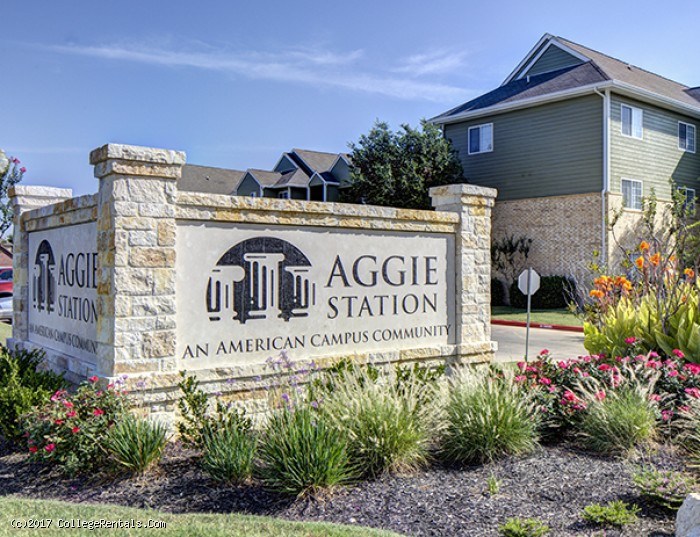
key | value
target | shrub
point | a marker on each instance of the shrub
(195, 419)
(136, 444)
(301, 453)
(22, 387)
(69, 431)
(388, 420)
(523, 527)
(619, 422)
(498, 292)
(665, 488)
(229, 453)
(617, 513)
(552, 294)
(486, 419)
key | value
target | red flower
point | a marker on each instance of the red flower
(693, 368)
(98, 412)
(569, 396)
(678, 353)
(50, 447)
(94, 379)
(630, 340)
(71, 414)
(33, 449)
(600, 396)
(67, 404)
(75, 430)
(604, 367)
(545, 381)
(22, 169)
(58, 422)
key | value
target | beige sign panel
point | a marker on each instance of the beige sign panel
(63, 289)
(246, 293)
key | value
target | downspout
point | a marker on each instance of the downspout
(606, 173)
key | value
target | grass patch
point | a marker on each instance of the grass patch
(5, 332)
(561, 317)
(180, 525)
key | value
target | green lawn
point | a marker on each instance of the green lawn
(184, 525)
(561, 317)
(5, 332)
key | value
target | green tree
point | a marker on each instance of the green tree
(397, 168)
(10, 174)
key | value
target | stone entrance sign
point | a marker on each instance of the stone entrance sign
(144, 280)
(62, 280)
(311, 292)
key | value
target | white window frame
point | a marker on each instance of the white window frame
(641, 194)
(685, 190)
(695, 136)
(469, 145)
(632, 110)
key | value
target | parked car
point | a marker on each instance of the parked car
(5, 281)
(6, 308)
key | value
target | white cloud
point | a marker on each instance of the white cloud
(431, 63)
(303, 66)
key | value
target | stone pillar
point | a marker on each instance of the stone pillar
(136, 258)
(472, 264)
(24, 198)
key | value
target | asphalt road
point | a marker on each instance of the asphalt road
(511, 343)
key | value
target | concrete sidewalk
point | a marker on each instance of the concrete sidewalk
(511, 343)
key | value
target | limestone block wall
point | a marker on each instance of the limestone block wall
(146, 231)
(565, 230)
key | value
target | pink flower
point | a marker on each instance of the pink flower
(519, 378)
(684, 408)
(666, 415)
(98, 412)
(569, 396)
(678, 353)
(71, 414)
(563, 365)
(694, 369)
(544, 352)
(521, 365)
(33, 449)
(58, 422)
(604, 367)
(57, 395)
(93, 379)
(67, 404)
(545, 381)
(631, 340)
(600, 396)
(673, 373)
(693, 392)
(75, 430)
(655, 397)
(22, 169)
(50, 447)
(653, 364)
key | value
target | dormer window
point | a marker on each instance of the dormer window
(686, 137)
(632, 119)
(481, 138)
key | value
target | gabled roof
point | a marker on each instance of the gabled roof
(593, 71)
(293, 178)
(264, 177)
(317, 161)
(209, 180)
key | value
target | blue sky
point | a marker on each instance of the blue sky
(234, 84)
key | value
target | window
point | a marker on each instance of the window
(481, 138)
(283, 195)
(686, 137)
(689, 202)
(632, 194)
(631, 119)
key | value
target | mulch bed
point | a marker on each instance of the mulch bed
(554, 485)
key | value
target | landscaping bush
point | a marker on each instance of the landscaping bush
(486, 419)
(301, 452)
(552, 294)
(664, 488)
(195, 418)
(523, 527)
(618, 421)
(498, 292)
(135, 445)
(389, 419)
(69, 431)
(229, 453)
(617, 514)
(22, 387)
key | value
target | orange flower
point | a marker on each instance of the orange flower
(596, 293)
(655, 259)
(643, 246)
(690, 273)
(640, 263)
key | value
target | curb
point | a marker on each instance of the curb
(523, 324)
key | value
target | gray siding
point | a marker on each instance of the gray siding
(655, 158)
(553, 59)
(341, 171)
(285, 165)
(548, 150)
(247, 186)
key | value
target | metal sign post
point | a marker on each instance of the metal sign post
(529, 284)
